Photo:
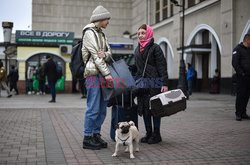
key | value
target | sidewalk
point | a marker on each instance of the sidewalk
(36, 132)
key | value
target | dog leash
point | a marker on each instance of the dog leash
(124, 144)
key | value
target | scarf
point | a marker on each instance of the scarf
(146, 40)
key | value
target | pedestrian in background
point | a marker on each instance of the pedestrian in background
(190, 78)
(241, 64)
(156, 67)
(41, 79)
(13, 79)
(51, 73)
(3, 79)
(95, 52)
(30, 73)
(215, 83)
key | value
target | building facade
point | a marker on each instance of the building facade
(212, 29)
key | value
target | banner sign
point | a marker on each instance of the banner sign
(44, 37)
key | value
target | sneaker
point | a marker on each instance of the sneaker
(98, 139)
(52, 101)
(9, 96)
(29, 93)
(90, 143)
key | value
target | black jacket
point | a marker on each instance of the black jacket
(241, 60)
(50, 70)
(156, 68)
(13, 76)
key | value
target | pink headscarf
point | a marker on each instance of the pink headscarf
(146, 40)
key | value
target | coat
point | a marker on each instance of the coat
(93, 41)
(50, 70)
(241, 60)
(156, 68)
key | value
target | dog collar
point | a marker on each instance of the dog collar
(123, 141)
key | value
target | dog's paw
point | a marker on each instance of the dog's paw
(132, 156)
(114, 155)
(126, 150)
(137, 149)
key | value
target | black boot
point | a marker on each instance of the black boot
(156, 137)
(147, 136)
(98, 139)
(90, 143)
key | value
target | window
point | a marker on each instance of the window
(205, 37)
(191, 3)
(163, 10)
(157, 11)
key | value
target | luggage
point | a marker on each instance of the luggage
(122, 111)
(168, 103)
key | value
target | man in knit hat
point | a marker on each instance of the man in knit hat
(96, 53)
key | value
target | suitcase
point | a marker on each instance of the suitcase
(122, 113)
(168, 103)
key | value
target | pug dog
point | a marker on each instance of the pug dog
(126, 133)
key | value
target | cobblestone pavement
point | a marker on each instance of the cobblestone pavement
(32, 131)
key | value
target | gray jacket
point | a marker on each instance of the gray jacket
(93, 41)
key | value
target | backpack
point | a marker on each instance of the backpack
(76, 64)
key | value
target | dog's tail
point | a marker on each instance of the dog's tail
(131, 123)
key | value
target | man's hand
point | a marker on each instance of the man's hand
(164, 89)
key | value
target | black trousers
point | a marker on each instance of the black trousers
(243, 93)
(13, 85)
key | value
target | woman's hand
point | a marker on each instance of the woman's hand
(164, 89)
(101, 54)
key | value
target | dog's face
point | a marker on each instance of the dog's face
(123, 127)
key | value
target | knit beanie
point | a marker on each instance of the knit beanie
(100, 13)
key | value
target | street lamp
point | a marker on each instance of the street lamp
(7, 31)
(182, 71)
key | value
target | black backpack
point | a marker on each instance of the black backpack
(76, 64)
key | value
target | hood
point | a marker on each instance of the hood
(91, 25)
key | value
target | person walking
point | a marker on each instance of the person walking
(3, 79)
(155, 68)
(241, 64)
(95, 53)
(51, 73)
(13, 78)
(190, 78)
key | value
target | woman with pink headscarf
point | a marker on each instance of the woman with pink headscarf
(156, 71)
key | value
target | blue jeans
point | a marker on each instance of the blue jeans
(52, 86)
(96, 108)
